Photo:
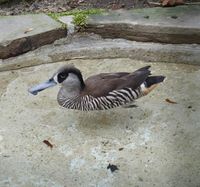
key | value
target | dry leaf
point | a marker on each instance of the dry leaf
(48, 143)
(170, 101)
(172, 2)
(28, 30)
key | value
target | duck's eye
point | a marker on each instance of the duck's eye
(62, 77)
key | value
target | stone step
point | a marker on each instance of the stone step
(89, 46)
(174, 25)
(19, 34)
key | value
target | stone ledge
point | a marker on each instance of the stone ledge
(176, 25)
(93, 47)
(14, 40)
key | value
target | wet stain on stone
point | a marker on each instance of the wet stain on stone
(6, 156)
(140, 179)
(174, 17)
(105, 142)
(112, 167)
(174, 134)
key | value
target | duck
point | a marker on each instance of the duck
(101, 91)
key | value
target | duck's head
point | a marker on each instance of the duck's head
(68, 76)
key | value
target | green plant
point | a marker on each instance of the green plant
(79, 15)
(80, 19)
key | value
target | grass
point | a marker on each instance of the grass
(79, 15)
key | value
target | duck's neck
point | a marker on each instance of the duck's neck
(65, 94)
(71, 89)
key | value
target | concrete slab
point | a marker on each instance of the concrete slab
(154, 145)
(19, 34)
(166, 25)
(84, 46)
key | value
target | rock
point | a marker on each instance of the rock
(149, 25)
(78, 157)
(93, 47)
(14, 39)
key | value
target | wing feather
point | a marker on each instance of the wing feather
(102, 84)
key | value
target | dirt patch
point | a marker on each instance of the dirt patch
(43, 6)
(38, 6)
(16, 7)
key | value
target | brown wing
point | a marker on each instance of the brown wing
(102, 84)
(108, 75)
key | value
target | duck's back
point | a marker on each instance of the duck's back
(104, 83)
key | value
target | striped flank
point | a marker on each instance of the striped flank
(113, 99)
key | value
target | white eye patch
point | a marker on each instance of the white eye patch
(55, 78)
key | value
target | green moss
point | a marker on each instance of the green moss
(80, 19)
(79, 15)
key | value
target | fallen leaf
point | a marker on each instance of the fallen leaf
(172, 2)
(28, 30)
(48, 143)
(170, 101)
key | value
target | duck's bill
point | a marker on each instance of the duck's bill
(38, 88)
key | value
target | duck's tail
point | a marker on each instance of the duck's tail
(154, 80)
(150, 83)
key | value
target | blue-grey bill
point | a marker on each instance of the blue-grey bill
(35, 89)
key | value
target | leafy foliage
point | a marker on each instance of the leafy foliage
(79, 15)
